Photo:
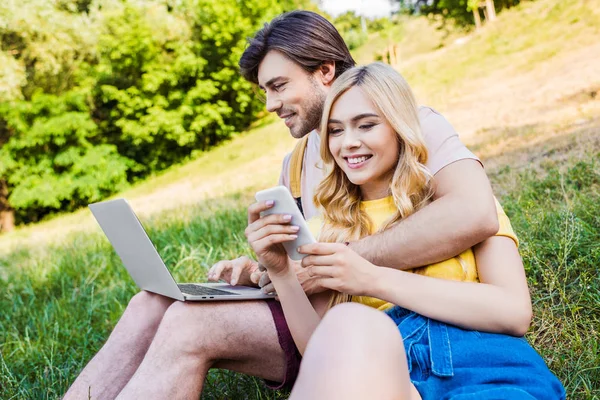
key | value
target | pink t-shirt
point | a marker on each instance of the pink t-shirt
(443, 145)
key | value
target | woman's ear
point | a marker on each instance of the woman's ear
(326, 72)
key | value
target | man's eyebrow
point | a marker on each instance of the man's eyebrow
(354, 119)
(270, 82)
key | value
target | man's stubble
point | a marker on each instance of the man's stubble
(313, 108)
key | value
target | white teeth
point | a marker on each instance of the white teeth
(357, 160)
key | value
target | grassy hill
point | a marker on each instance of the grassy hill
(523, 93)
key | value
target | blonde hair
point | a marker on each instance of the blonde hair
(410, 187)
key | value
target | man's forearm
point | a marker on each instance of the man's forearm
(437, 232)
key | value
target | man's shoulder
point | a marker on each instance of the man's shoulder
(426, 113)
(434, 125)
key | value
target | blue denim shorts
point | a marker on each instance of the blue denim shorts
(449, 363)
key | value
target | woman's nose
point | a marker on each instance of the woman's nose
(351, 140)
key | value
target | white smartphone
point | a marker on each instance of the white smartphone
(285, 204)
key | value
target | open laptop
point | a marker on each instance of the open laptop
(142, 261)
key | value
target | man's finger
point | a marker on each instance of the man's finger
(215, 272)
(264, 280)
(270, 288)
(236, 271)
(255, 277)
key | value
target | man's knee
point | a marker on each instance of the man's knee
(147, 306)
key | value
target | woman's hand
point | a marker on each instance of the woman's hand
(266, 235)
(241, 271)
(339, 268)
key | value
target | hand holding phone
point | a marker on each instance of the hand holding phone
(285, 204)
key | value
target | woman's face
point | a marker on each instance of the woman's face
(363, 143)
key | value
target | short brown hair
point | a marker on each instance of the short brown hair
(304, 37)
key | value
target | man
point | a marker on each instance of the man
(164, 349)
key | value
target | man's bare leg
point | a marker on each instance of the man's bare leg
(112, 367)
(193, 337)
(355, 353)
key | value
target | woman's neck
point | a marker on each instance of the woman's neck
(374, 192)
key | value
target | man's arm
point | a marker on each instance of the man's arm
(462, 214)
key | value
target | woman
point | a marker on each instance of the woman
(461, 320)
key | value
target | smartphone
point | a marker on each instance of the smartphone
(285, 204)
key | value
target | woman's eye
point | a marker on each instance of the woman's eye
(278, 87)
(335, 131)
(366, 126)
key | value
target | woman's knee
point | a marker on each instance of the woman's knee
(352, 323)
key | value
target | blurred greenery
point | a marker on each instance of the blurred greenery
(97, 94)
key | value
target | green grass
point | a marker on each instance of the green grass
(60, 304)
(64, 288)
(518, 41)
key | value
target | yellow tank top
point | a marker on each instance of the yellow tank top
(459, 268)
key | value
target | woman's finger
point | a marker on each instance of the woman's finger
(309, 260)
(255, 209)
(321, 249)
(264, 243)
(271, 230)
(323, 271)
(331, 283)
(273, 219)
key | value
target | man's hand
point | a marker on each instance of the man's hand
(309, 284)
(235, 272)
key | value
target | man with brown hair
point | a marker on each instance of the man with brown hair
(164, 349)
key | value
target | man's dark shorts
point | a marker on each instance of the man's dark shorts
(292, 355)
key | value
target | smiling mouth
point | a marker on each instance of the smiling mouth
(287, 117)
(357, 162)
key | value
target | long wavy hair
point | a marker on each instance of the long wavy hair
(410, 187)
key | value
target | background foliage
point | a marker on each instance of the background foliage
(96, 94)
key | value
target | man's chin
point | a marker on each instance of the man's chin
(298, 133)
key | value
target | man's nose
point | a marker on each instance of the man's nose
(273, 103)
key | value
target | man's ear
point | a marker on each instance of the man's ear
(326, 72)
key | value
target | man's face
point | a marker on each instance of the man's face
(294, 94)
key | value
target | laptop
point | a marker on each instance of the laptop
(139, 256)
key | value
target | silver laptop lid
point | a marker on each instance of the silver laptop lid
(132, 244)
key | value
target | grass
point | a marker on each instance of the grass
(60, 305)
(64, 288)
(521, 39)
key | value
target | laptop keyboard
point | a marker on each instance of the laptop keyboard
(203, 291)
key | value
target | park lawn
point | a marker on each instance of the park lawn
(60, 305)
(64, 288)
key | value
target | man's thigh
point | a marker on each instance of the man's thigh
(236, 335)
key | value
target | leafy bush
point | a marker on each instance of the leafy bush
(100, 94)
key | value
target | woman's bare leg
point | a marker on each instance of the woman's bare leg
(355, 353)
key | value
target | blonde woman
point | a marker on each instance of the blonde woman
(461, 320)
